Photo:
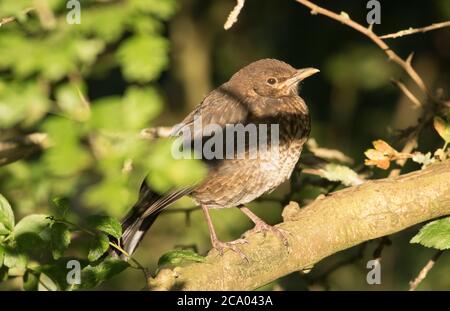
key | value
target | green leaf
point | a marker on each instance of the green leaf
(178, 257)
(435, 234)
(143, 57)
(14, 8)
(2, 255)
(142, 24)
(111, 194)
(22, 102)
(67, 156)
(162, 9)
(3, 273)
(140, 106)
(93, 275)
(15, 261)
(131, 113)
(71, 101)
(106, 224)
(88, 50)
(66, 160)
(166, 172)
(107, 114)
(57, 271)
(32, 231)
(60, 239)
(30, 281)
(62, 206)
(6, 216)
(61, 131)
(106, 22)
(99, 246)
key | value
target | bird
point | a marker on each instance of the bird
(264, 92)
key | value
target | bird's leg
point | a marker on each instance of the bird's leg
(262, 226)
(219, 245)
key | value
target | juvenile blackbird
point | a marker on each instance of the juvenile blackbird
(263, 92)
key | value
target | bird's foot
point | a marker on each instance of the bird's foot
(221, 246)
(261, 226)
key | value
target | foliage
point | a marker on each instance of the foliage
(178, 257)
(434, 234)
(46, 89)
(35, 248)
(95, 158)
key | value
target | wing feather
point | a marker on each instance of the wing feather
(220, 107)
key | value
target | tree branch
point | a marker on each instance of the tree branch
(233, 17)
(413, 98)
(10, 19)
(367, 31)
(20, 147)
(411, 31)
(326, 226)
(424, 272)
(405, 64)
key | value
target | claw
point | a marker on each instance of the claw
(278, 232)
(221, 246)
(261, 226)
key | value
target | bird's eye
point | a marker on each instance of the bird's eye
(271, 81)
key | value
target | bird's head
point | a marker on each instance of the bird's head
(270, 78)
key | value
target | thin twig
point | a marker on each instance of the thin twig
(423, 273)
(10, 19)
(412, 138)
(411, 144)
(384, 241)
(367, 31)
(407, 93)
(410, 30)
(139, 266)
(152, 133)
(233, 17)
(69, 223)
(17, 148)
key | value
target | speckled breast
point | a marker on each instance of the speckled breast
(239, 181)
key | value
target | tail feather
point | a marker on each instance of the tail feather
(143, 214)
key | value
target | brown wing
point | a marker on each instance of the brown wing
(220, 107)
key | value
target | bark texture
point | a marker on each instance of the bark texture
(326, 226)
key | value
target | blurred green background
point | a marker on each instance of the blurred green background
(140, 63)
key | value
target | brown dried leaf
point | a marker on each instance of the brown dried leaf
(373, 154)
(384, 147)
(377, 158)
(383, 164)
